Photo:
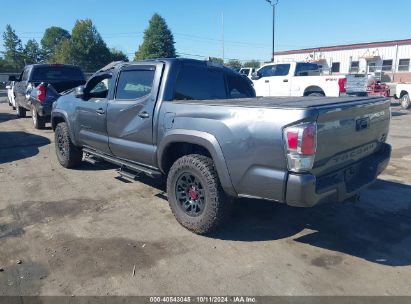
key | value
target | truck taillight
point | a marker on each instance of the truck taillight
(41, 93)
(341, 84)
(301, 145)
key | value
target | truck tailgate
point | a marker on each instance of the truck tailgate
(356, 83)
(349, 132)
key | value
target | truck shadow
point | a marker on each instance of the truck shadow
(18, 145)
(378, 229)
(395, 113)
(4, 117)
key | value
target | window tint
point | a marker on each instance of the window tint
(196, 83)
(101, 86)
(266, 71)
(98, 86)
(245, 71)
(335, 68)
(387, 65)
(307, 69)
(135, 84)
(239, 86)
(274, 70)
(55, 73)
(404, 65)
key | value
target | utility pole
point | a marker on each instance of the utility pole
(273, 3)
(222, 33)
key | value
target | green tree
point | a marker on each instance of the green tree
(216, 60)
(117, 55)
(252, 64)
(88, 49)
(234, 64)
(62, 53)
(158, 41)
(32, 52)
(13, 49)
(53, 37)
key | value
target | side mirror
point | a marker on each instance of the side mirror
(255, 76)
(12, 78)
(79, 92)
(8, 87)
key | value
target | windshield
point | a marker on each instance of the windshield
(58, 73)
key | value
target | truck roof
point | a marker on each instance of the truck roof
(168, 61)
(52, 65)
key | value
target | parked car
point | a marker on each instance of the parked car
(39, 85)
(10, 94)
(402, 92)
(305, 79)
(200, 125)
(247, 72)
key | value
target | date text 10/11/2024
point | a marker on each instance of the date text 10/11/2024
(203, 299)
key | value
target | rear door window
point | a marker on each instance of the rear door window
(134, 84)
(307, 69)
(200, 83)
(239, 86)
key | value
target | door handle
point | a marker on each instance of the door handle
(285, 80)
(100, 111)
(267, 81)
(143, 115)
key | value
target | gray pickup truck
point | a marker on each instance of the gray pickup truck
(200, 125)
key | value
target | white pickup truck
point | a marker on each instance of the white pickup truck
(402, 92)
(305, 79)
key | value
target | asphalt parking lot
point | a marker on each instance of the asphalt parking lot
(82, 232)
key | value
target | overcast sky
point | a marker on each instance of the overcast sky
(197, 25)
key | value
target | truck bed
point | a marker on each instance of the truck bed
(288, 102)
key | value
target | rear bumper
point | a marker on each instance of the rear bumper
(306, 190)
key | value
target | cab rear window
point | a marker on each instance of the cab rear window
(196, 83)
(56, 73)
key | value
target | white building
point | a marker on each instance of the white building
(389, 60)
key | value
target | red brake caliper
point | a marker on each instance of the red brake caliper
(193, 193)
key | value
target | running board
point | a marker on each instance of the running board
(89, 158)
(126, 174)
(124, 165)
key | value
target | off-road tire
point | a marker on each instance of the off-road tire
(406, 102)
(20, 111)
(68, 155)
(39, 122)
(217, 204)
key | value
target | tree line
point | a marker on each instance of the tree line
(85, 47)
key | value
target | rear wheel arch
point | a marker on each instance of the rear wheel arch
(313, 89)
(178, 149)
(177, 145)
